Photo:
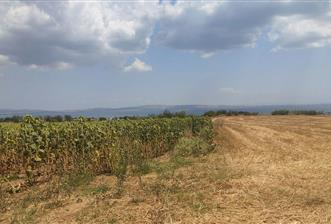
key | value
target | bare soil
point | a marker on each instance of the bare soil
(265, 169)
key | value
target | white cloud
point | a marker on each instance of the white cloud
(57, 65)
(229, 90)
(24, 16)
(207, 28)
(2, 75)
(63, 65)
(300, 32)
(207, 55)
(210, 27)
(138, 66)
(59, 35)
(4, 60)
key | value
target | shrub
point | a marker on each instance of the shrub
(192, 146)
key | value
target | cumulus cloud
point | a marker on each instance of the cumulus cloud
(138, 66)
(300, 32)
(208, 27)
(64, 34)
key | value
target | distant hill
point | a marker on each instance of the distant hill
(157, 109)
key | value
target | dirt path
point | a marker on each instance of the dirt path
(265, 169)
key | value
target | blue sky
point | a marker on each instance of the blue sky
(74, 55)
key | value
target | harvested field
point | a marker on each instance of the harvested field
(265, 169)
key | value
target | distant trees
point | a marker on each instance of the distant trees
(56, 118)
(168, 114)
(14, 119)
(228, 113)
(59, 118)
(164, 114)
(68, 118)
(296, 112)
(280, 112)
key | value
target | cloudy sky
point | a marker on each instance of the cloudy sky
(84, 54)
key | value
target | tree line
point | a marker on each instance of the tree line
(297, 112)
(228, 113)
(56, 118)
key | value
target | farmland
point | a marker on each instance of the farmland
(39, 148)
(264, 169)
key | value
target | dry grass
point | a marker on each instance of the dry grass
(266, 169)
(287, 164)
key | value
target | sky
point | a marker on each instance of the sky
(63, 55)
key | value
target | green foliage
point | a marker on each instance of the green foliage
(166, 170)
(40, 148)
(203, 128)
(56, 118)
(168, 114)
(193, 146)
(14, 119)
